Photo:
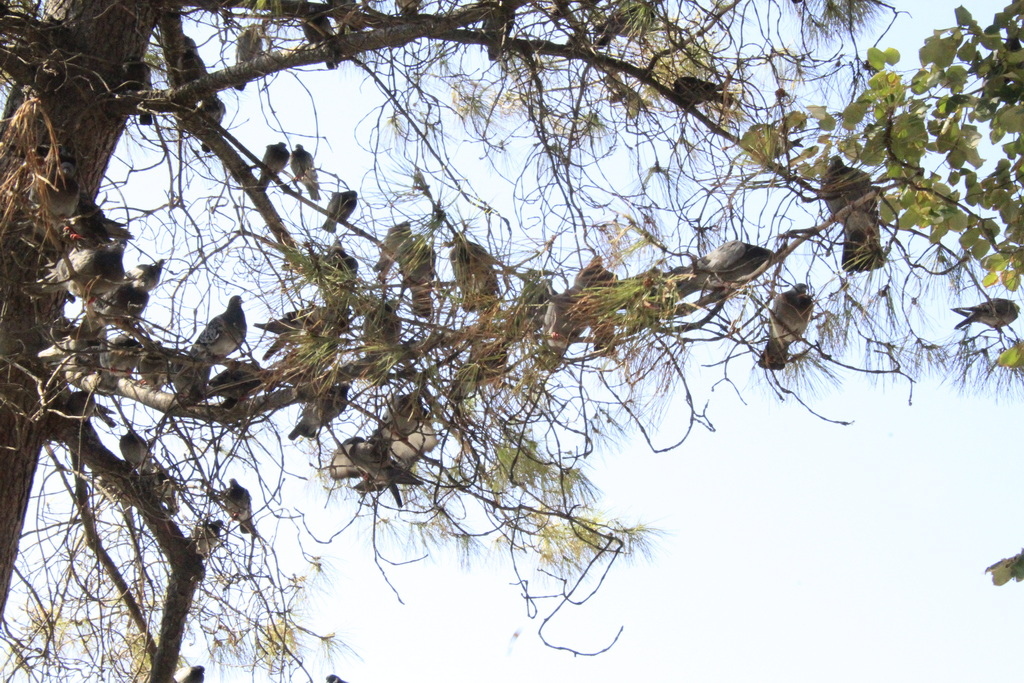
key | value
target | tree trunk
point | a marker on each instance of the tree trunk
(63, 78)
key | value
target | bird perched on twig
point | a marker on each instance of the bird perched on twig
(408, 8)
(189, 66)
(788, 320)
(206, 536)
(275, 159)
(995, 313)
(845, 188)
(416, 258)
(729, 265)
(222, 336)
(317, 29)
(575, 309)
(92, 228)
(320, 411)
(396, 236)
(339, 209)
(498, 26)
(474, 273)
(238, 503)
(248, 46)
(691, 91)
(119, 358)
(234, 384)
(86, 272)
(334, 679)
(370, 460)
(304, 172)
(135, 450)
(81, 404)
(406, 430)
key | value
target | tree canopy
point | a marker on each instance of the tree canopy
(493, 239)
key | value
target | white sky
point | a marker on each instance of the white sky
(795, 550)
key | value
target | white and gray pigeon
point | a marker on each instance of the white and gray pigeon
(190, 674)
(407, 430)
(223, 335)
(340, 208)
(304, 171)
(334, 679)
(206, 536)
(238, 503)
(87, 272)
(320, 412)
(276, 159)
(146, 276)
(370, 460)
(119, 358)
(732, 263)
(56, 191)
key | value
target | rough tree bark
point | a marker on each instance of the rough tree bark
(62, 71)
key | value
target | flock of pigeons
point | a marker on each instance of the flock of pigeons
(92, 269)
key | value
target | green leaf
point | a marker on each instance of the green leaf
(854, 114)
(990, 279)
(1012, 357)
(963, 17)
(938, 51)
(892, 56)
(876, 58)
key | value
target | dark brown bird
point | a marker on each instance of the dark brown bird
(995, 313)
(691, 91)
(248, 47)
(276, 159)
(317, 29)
(475, 274)
(849, 188)
(788, 320)
(339, 209)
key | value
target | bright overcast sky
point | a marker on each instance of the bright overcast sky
(795, 550)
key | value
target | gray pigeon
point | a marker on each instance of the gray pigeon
(135, 450)
(844, 187)
(125, 303)
(146, 276)
(276, 159)
(474, 274)
(334, 679)
(369, 460)
(234, 384)
(733, 263)
(249, 46)
(312, 320)
(560, 325)
(120, 357)
(92, 228)
(416, 258)
(56, 189)
(86, 272)
(317, 29)
(190, 65)
(320, 412)
(206, 536)
(238, 503)
(223, 335)
(339, 208)
(789, 318)
(995, 313)
(575, 309)
(82, 404)
(154, 370)
(137, 77)
(408, 8)
(397, 236)
(192, 674)
(341, 259)
(304, 171)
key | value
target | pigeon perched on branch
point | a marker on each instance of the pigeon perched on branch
(849, 188)
(304, 171)
(86, 272)
(474, 273)
(317, 29)
(789, 318)
(995, 313)
(276, 159)
(238, 503)
(206, 536)
(248, 46)
(731, 264)
(369, 459)
(192, 674)
(340, 208)
(321, 411)
(223, 335)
